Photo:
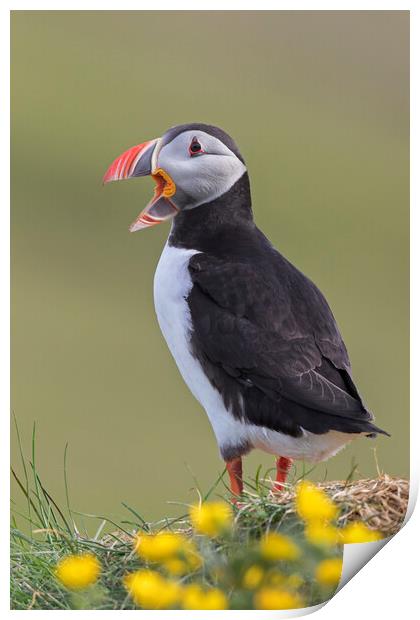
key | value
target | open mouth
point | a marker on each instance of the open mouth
(161, 207)
(165, 187)
(139, 161)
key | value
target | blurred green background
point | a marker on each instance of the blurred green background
(318, 103)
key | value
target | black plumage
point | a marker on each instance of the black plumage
(261, 330)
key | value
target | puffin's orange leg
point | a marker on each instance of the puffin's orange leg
(234, 468)
(283, 465)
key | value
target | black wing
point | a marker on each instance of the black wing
(267, 329)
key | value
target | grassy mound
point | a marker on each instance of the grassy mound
(227, 561)
(267, 551)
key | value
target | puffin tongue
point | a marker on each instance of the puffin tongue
(160, 208)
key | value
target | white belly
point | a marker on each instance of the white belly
(172, 285)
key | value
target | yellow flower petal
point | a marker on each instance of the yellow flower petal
(195, 597)
(275, 546)
(313, 504)
(322, 534)
(159, 547)
(176, 567)
(78, 571)
(211, 518)
(191, 597)
(150, 590)
(253, 577)
(358, 532)
(273, 598)
(328, 572)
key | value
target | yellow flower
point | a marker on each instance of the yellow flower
(150, 590)
(175, 552)
(188, 562)
(358, 532)
(322, 534)
(313, 504)
(195, 597)
(274, 547)
(211, 518)
(253, 577)
(159, 547)
(273, 598)
(78, 571)
(176, 567)
(328, 572)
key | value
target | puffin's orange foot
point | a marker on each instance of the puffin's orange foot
(234, 468)
(283, 465)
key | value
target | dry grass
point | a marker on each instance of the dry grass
(380, 502)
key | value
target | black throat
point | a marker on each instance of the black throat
(211, 226)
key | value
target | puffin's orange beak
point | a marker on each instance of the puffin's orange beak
(140, 161)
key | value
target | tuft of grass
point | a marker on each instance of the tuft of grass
(42, 533)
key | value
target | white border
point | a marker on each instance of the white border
(387, 586)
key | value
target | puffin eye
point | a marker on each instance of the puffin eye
(195, 147)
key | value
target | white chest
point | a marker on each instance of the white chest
(172, 285)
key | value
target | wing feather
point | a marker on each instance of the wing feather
(274, 330)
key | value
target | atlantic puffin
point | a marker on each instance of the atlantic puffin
(254, 339)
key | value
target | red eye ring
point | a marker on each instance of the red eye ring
(195, 147)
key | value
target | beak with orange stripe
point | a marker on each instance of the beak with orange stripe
(140, 161)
